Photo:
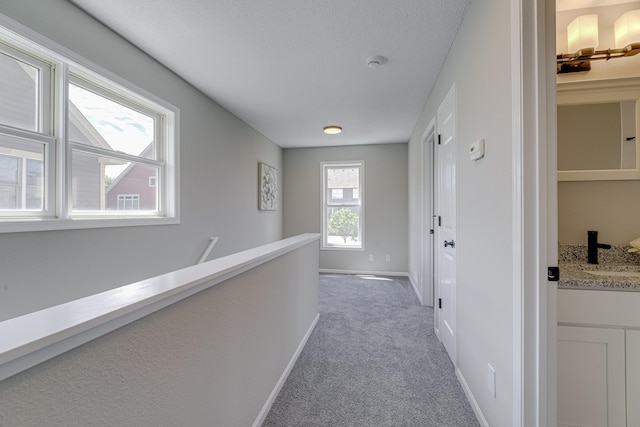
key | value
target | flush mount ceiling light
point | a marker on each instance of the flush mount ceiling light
(582, 38)
(332, 130)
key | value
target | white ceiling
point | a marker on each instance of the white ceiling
(290, 67)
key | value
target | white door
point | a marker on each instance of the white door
(446, 230)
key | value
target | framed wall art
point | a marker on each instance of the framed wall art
(267, 188)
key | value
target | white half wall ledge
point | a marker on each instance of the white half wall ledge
(33, 338)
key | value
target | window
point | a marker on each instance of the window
(21, 183)
(342, 217)
(114, 162)
(128, 202)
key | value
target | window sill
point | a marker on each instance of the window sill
(338, 248)
(38, 224)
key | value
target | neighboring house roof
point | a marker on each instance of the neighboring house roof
(16, 108)
(87, 132)
(145, 153)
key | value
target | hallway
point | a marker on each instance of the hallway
(373, 360)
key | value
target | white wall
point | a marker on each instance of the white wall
(479, 65)
(219, 176)
(212, 359)
(385, 198)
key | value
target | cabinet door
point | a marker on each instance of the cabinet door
(591, 377)
(633, 378)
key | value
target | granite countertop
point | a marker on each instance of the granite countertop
(573, 269)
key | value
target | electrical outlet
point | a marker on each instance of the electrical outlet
(388, 258)
(491, 379)
(370, 257)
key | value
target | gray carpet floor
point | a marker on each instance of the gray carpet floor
(372, 360)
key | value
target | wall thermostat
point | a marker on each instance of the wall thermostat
(476, 150)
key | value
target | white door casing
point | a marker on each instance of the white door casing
(427, 259)
(446, 153)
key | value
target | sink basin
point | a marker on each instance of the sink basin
(614, 273)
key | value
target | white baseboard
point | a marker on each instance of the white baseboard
(472, 400)
(274, 393)
(414, 285)
(371, 273)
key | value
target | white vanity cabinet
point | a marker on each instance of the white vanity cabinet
(598, 358)
(633, 375)
(591, 377)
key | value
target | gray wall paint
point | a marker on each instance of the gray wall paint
(484, 241)
(385, 198)
(219, 176)
(209, 360)
(610, 207)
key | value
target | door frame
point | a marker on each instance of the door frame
(534, 212)
(427, 259)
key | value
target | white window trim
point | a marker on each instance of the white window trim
(323, 191)
(58, 216)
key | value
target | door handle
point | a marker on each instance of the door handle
(451, 243)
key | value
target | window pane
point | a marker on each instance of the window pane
(9, 197)
(98, 121)
(99, 180)
(18, 93)
(34, 184)
(343, 227)
(9, 169)
(21, 174)
(340, 183)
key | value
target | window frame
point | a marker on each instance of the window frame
(324, 189)
(65, 66)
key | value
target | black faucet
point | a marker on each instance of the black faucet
(593, 245)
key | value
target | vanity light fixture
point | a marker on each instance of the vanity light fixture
(627, 29)
(332, 130)
(582, 34)
(582, 38)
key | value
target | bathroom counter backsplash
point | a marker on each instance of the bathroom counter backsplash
(573, 267)
(618, 254)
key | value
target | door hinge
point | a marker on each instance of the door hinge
(439, 302)
(439, 139)
(431, 231)
(553, 274)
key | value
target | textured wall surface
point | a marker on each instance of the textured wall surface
(385, 203)
(209, 360)
(218, 184)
